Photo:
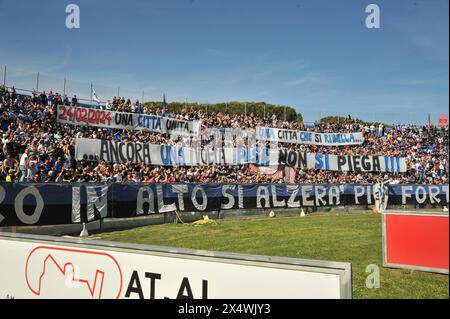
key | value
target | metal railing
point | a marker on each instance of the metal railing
(26, 82)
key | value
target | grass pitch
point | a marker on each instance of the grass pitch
(354, 238)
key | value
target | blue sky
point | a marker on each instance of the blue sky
(316, 56)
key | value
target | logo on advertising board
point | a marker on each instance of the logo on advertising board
(53, 272)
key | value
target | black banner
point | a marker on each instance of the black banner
(52, 204)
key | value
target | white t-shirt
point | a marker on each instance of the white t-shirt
(41, 148)
(46, 136)
(23, 159)
(58, 137)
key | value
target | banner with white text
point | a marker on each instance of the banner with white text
(84, 116)
(52, 204)
(308, 138)
(165, 155)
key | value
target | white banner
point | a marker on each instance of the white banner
(152, 154)
(127, 121)
(308, 138)
(42, 268)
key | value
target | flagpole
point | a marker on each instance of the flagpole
(87, 122)
(165, 105)
(4, 77)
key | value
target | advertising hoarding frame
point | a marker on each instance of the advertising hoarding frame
(343, 269)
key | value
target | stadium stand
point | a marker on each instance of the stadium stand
(34, 148)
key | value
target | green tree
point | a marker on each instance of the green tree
(233, 107)
(341, 119)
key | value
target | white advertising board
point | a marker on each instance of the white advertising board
(49, 267)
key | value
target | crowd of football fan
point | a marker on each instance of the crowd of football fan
(34, 148)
